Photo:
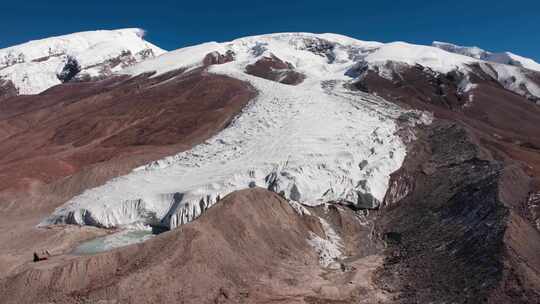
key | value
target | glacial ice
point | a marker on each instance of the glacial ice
(312, 143)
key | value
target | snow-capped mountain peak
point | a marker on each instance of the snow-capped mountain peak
(37, 65)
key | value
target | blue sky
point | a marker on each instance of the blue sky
(493, 25)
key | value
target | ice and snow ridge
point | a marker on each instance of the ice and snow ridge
(387, 59)
(478, 53)
(37, 65)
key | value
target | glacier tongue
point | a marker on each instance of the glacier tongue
(310, 145)
(313, 143)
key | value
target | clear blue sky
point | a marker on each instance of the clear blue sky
(493, 25)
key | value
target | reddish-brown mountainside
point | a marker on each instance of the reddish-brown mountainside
(78, 135)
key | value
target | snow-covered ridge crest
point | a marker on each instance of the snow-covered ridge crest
(37, 65)
(304, 49)
(478, 53)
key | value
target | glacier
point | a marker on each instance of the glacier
(314, 142)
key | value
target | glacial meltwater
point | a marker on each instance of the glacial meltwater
(112, 241)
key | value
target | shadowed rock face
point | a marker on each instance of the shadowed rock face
(321, 47)
(273, 68)
(417, 83)
(7, 89)
(450, 225)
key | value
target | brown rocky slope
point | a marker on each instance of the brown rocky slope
(460, 214)
(250, 248)
(78, 135)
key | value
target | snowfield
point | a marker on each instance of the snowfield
(34, 66)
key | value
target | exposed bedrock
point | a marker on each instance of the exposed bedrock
(321, 47)
(218, 58)
(273, 68)
(448, 222)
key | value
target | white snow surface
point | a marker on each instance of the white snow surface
(33, 66)
(314, 142)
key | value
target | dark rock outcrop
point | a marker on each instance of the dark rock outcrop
(418, 83)
(217, 58)
(452, 222)
(7, 89)
(273, 68)
(70, 70)
(41, 256)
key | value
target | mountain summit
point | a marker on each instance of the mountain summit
(35, 66)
